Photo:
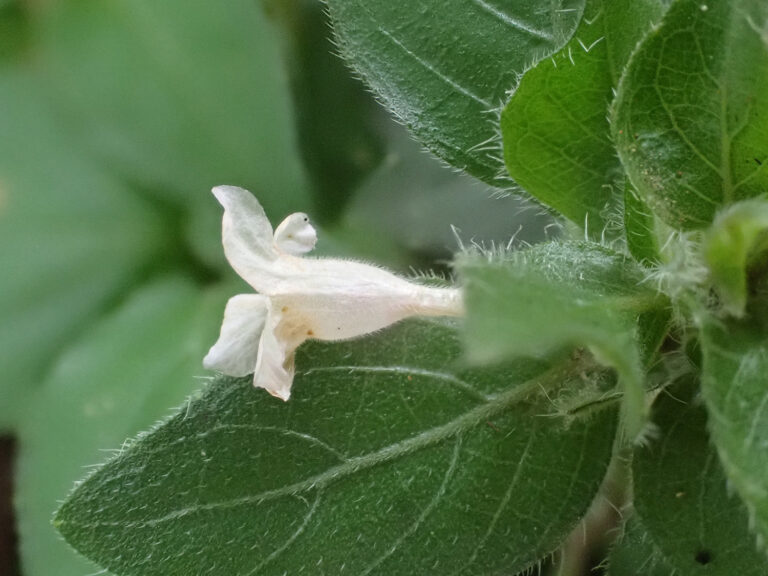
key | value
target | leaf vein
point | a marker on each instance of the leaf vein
(288, 543)
(513, 22)
(470, 419)
(500, 509)
(437, 73)
(424, 514)
(408, 371)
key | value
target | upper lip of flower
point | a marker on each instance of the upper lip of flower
(300, 298)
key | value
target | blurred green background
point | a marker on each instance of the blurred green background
(116, 119)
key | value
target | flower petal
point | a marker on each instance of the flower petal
(246, 235)
(277, 348)
(295, 235)
(236, 351)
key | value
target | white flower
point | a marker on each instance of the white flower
(301, 298)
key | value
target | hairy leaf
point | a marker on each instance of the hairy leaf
(735, 392)
(640, 228)
(388, 459)
(681, 494)
(738, 238)
(691, 115)
(565, 294)
(557, 142)
(444, 67)
(119, 378)
(635, 554)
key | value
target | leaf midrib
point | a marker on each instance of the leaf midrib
(456, 427)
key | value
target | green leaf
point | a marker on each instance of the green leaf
(72, 240)
(589, 292)
(337, 119)
(681, 494)
(640, 228)
(557, 142)
(736, 239)
(118, 379)
(635, 554)
(565, 294)
(14, 30)
(735, 392)
(372, 467)
(443, 67)
(179, 96)
(691, 114)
